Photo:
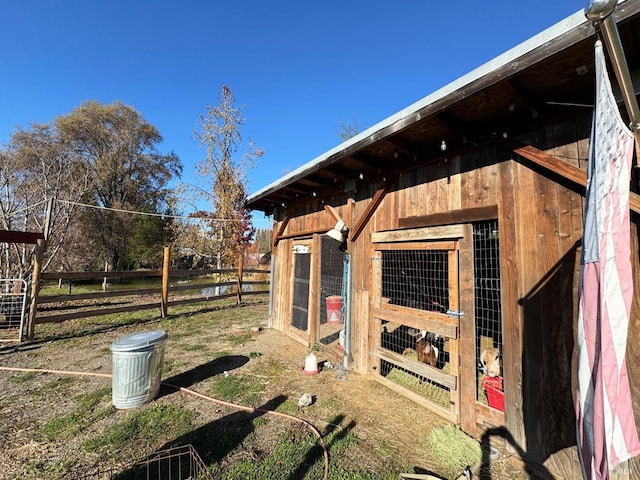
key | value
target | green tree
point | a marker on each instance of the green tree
(263, 240)
(224, 176)
(127, 172)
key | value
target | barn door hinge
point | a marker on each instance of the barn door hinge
(454, 313)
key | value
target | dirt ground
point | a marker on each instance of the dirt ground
(387, 424)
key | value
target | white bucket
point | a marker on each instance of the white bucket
(137, 368)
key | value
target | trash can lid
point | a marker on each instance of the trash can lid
(138, 340)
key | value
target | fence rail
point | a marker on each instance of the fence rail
(45, 308)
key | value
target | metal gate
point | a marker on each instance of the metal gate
(13, 306)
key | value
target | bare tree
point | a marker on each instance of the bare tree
(38, 166)
(224, 175)
(349, 130)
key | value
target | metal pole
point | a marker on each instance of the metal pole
(601, 13)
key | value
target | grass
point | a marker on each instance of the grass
(297, 454)
(235, 445)
(156, 422)
(23, 378)
(237, 389)
(240, 339)
(88, 411)
(44, 469)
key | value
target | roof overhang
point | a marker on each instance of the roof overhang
(545, 80)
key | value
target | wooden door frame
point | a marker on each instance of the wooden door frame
(309, 336)
(451, 238)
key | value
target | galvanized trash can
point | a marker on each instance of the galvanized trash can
(137, 368)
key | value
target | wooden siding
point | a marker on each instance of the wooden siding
(540, 227)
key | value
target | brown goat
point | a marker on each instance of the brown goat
(427, 353)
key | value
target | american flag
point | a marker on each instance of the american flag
(606, 426)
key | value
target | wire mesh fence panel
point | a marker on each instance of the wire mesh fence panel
(415, 291)
(13, 305)
(177, 463)
(486, 250)
(416, 279)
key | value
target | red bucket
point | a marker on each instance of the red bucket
(334, 309)
(495, 393)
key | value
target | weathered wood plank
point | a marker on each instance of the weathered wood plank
(565, 170)
(435, 245)
(528, 207)
(427, 371)
(371, 208)
(416, 234)
(97, 295)
(11, 236)
(468, 365)
(99, 275)
(454, 344)
(418, 399)
(468, 215)
(509, 295)
(431, 321)
(93, 313)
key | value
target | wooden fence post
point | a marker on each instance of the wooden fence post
(240, 269)
(104, 280)
(164, 305)
(35, 290)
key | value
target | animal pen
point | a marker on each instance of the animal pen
(462, 224)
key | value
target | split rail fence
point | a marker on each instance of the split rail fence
(186, 287)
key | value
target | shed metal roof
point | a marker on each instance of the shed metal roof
(542, 81)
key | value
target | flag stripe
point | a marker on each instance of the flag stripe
(606, 428)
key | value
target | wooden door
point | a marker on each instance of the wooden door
(304, 304)
(416, 305)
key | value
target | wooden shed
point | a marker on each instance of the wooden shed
(463, 222)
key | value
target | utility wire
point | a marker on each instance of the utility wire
(134, 212)
(11, 214)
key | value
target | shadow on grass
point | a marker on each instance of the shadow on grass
(215, 440)
(316, 453)
(81, 332)
(202, 372)
(535, 471)
(86, 331)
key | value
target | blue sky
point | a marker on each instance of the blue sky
(299, 68)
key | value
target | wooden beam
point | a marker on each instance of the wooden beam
(371, 208)
(11, 236)
(305, 233)
(283, 225)
(565, 170)
(332, 211)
